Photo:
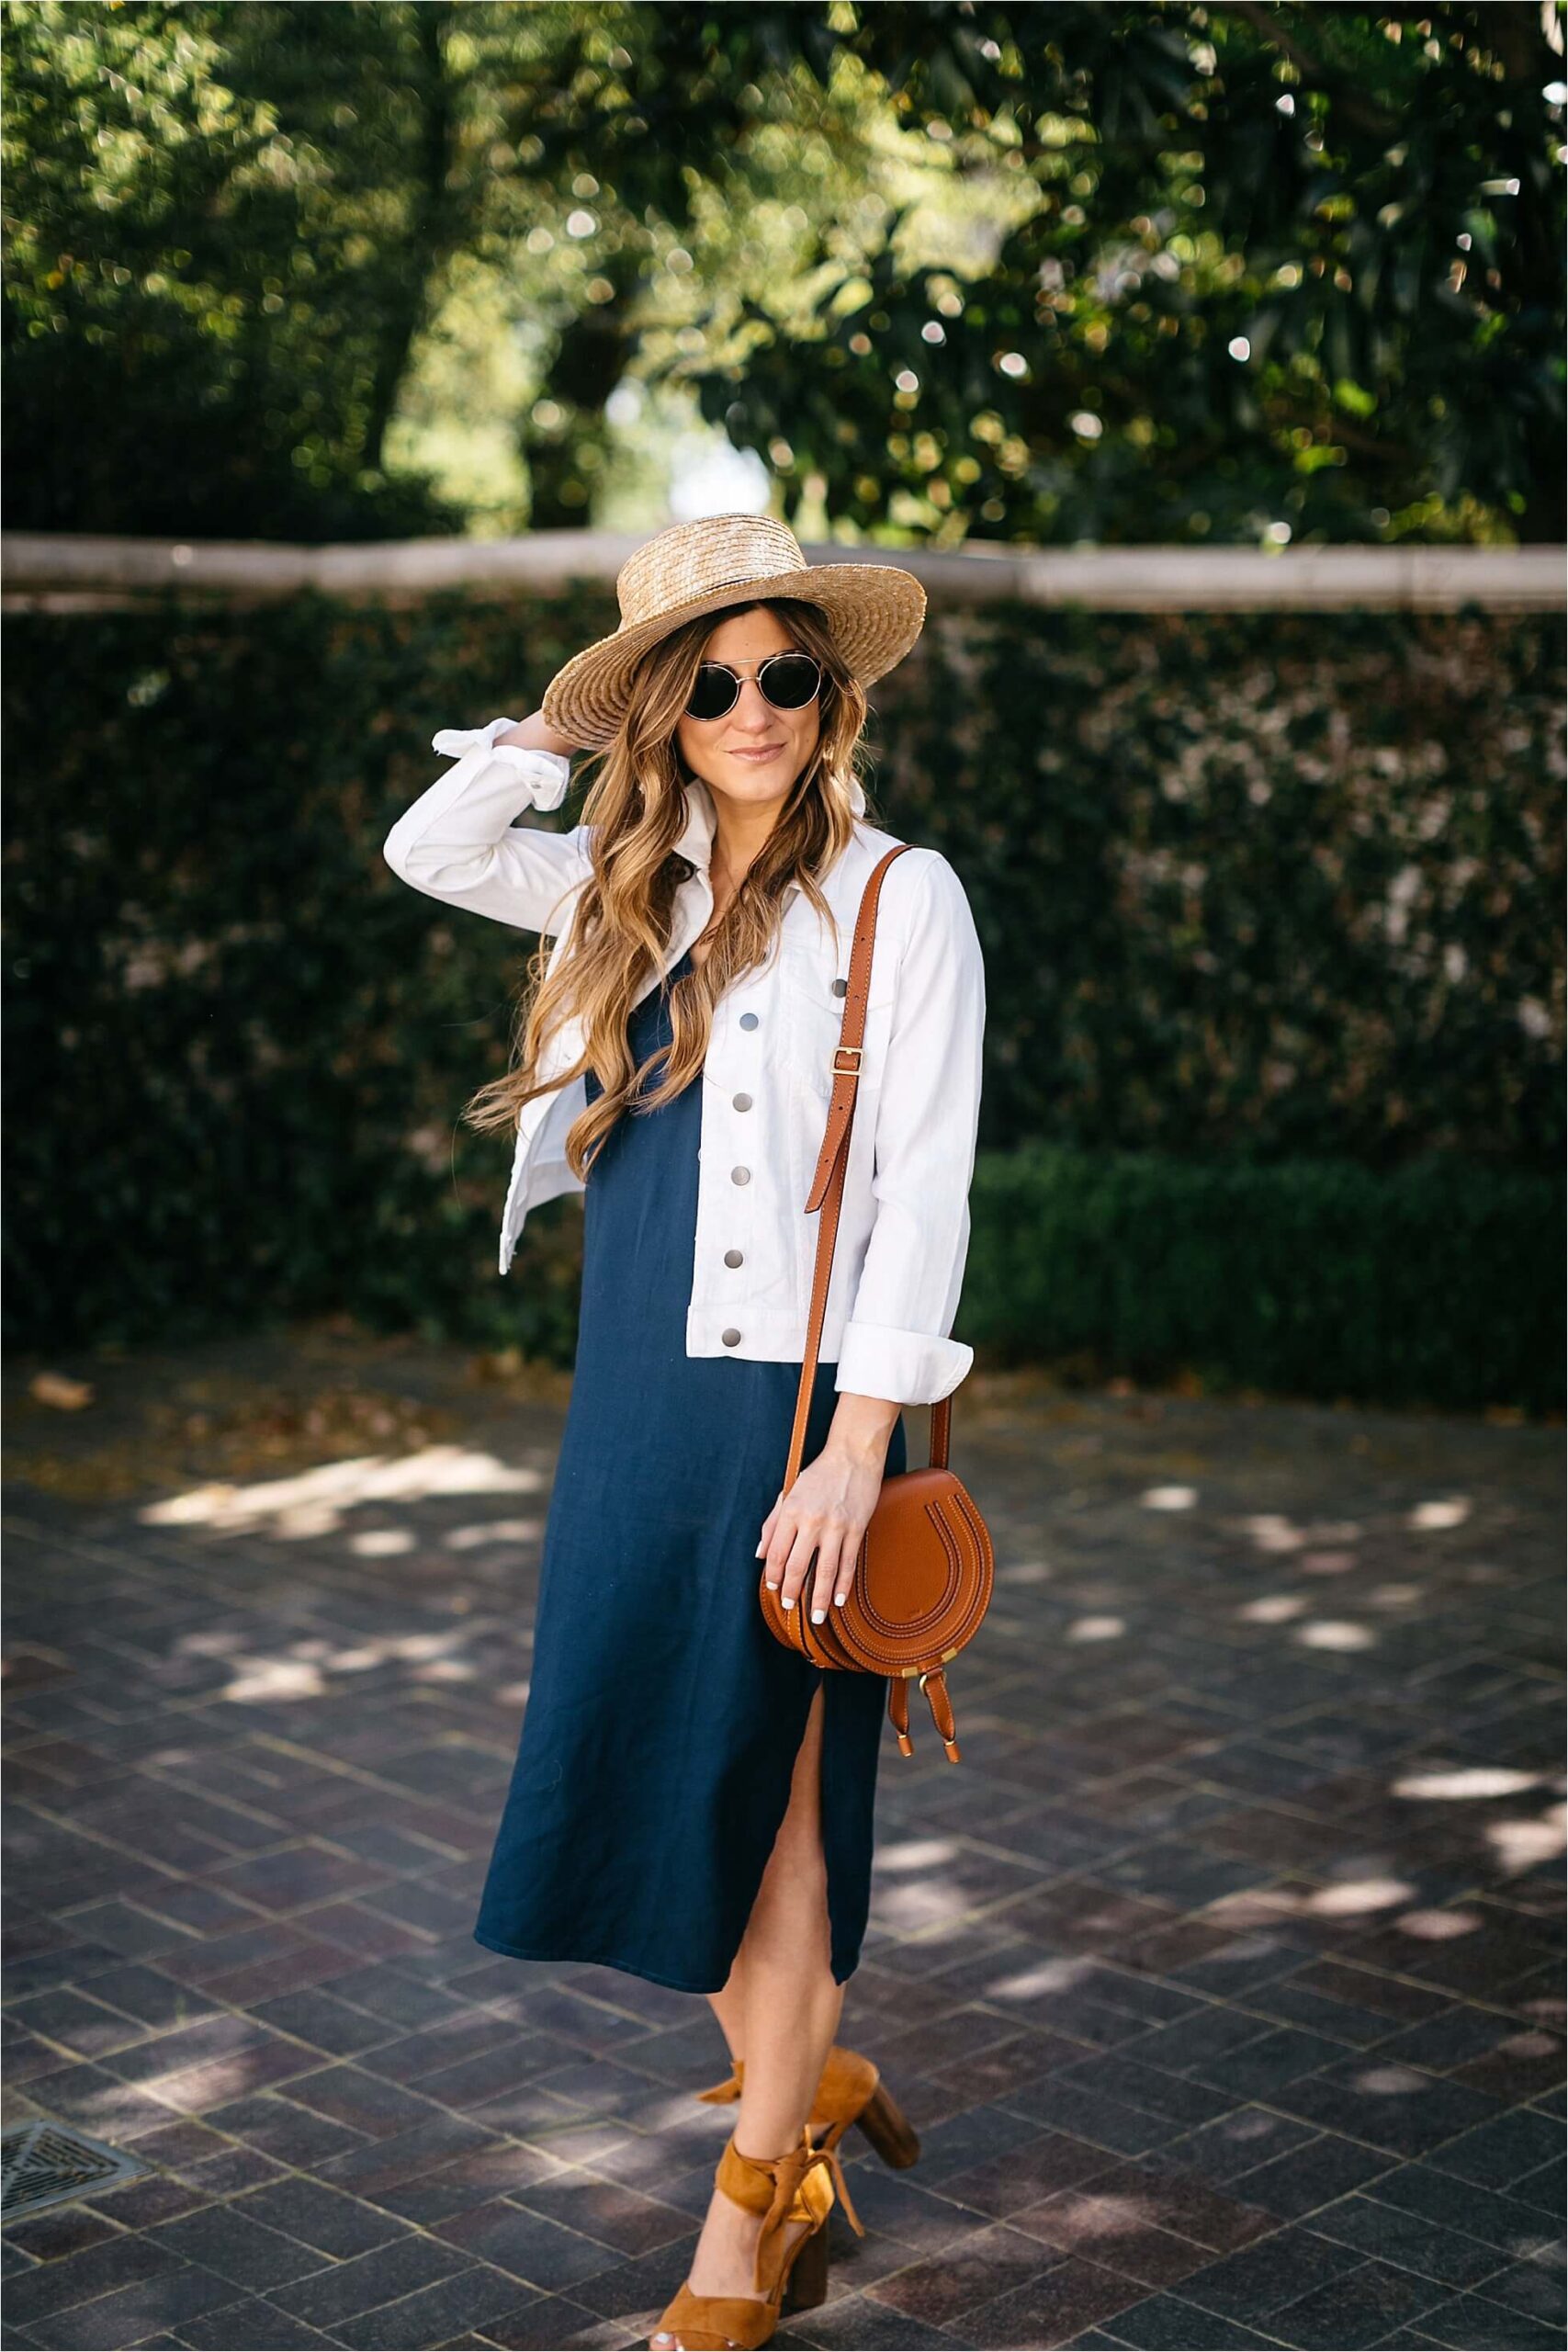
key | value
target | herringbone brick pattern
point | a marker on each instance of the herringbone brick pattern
(1222, 1979)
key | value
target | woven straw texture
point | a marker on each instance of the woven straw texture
(875, 610)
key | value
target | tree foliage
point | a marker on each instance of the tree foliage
(210, 211)
(1284, 271)
(1055, 272)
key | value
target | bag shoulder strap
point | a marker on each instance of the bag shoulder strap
(827, 1194)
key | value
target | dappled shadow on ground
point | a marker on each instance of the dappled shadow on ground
(1221, 1978)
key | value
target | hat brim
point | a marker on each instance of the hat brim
(875, 611)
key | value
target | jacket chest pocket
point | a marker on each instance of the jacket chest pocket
(812, 1020)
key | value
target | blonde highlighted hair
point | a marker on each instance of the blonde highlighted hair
(622, 915)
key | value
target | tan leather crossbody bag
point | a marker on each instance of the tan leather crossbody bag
(923, 1574)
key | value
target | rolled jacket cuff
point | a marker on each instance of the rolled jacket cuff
(547, 773)
(905, 1367)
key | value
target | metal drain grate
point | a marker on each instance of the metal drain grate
(48, 2164)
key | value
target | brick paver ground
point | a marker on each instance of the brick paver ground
(1221, 1978)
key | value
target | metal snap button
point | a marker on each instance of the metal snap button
(740, 1175)
(748, 1021)
(735, 1258)
(743, 1102)
(731, 1338)
(841, 987)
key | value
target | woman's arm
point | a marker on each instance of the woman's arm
(458, 841)
(896, 1343)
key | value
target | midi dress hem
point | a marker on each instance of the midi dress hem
(627, 1967)
(842, 1970)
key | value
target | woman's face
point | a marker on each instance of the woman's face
(755, 752)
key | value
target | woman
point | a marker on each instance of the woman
(693, 1801)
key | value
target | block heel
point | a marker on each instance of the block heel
(888, 2129)
(807, 2285)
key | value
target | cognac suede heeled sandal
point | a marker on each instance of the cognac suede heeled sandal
(850, 2091)
(792, 2271)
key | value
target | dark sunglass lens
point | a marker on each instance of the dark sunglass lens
(713, 693)
(789, 680)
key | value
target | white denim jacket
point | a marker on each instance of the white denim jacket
(904, 1233)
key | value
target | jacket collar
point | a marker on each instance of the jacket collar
(696, 841)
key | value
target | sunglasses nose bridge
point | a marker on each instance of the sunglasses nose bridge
(761, 706)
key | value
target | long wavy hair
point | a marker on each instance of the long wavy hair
(622, 919)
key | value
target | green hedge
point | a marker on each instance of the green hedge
(1439, 1284)
(1259, 887)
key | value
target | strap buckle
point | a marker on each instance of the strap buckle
(850, 1069)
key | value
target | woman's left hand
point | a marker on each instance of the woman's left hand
(828, 1509)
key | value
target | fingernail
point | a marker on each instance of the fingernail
(771, 1586)
(789, 1604)
(840, 1599)
(818, 1615)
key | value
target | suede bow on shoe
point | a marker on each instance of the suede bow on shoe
(792, 2201)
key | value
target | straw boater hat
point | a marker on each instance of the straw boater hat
(875, 610)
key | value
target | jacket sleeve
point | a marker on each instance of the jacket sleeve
(457, 841)
(896, 1343)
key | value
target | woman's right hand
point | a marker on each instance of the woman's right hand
(535, 734)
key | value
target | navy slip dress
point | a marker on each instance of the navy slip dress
(664, 1719)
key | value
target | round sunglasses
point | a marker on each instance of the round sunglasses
(789, 681)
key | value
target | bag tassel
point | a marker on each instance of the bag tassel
(933, 1682)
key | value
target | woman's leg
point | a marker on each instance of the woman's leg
(779, 2011)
